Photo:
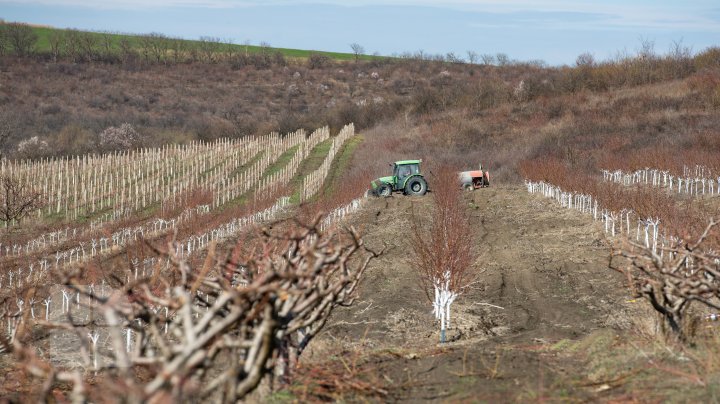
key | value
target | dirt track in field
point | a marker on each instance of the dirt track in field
(545, 279)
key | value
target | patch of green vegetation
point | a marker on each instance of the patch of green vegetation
(281, 162)
(53, 217)
(113, 40)
(595, 343)
(237, 202)
(247, 165)
(275, 167)
(281, 397)
(562, 345)
(339, 165)
(150, 210)
(313, 161)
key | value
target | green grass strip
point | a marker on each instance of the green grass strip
(339, 165)
(135, 42)
(281, 162)
(313, 161)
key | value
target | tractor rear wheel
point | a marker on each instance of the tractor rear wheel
(416, 186)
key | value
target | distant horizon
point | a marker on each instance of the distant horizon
(555, 33)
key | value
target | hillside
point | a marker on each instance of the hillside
(515, 112)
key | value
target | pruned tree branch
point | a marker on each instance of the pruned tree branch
(17, 199)
(674, 277)
(217, 333)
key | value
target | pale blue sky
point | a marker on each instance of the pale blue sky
(555, 31)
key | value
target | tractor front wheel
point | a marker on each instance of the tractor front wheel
(416, 186)
(384, 190)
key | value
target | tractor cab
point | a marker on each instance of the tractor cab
(406, 177)
(403, 171)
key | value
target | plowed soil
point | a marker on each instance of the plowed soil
(544, 280)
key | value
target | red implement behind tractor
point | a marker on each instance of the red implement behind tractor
(471, 180)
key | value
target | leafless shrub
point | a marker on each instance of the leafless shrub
(17, 200)
(708, 58)
(502, 59)
(56, 42)
(3, 40)
(88, 45)
(127, 52)
(585, 60)
(71, 39)
(209, 48)
(216, 331)
(178, 47)
(451, 57)
(154, 47)
(72, 139)
(707, 84)
(472, 57)
(20, 37)
(487, 59)
(679, 58)
(279, 59)
(107, 47)
(9, 126)
(674, 277)
(317, 61)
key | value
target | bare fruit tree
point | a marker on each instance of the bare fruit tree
(17, 199)
(212, 332)
(444, 253)
(672, 278)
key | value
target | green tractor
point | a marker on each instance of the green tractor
(406, 178)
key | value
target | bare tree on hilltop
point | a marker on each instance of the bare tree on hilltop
(472, 57)
(20, 37)
(358, 50)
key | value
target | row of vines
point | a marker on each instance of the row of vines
(665, 238)
(33, 261)
(109, 188)
(195, 302)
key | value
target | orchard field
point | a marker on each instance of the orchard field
(191, 230)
